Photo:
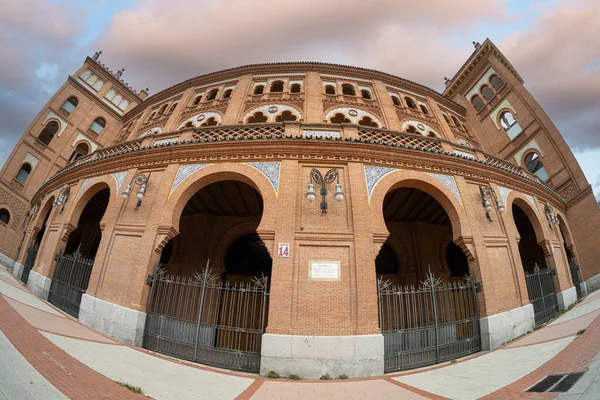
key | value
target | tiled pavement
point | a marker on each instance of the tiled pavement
(44, 352)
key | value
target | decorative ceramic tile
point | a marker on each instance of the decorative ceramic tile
(270, 170)
(199, 119)
(319, 134)
(165, 141)
(374, 174)
(31, 159)
(271, 111)
(85, 184)
(532, 201)
(119, 177)
(504, 193)
(463, 142)
(353, 114)
(450, 183)
(152, 131)
(422, 128)
(485, 78)
(532, 145)
(464, 154)
(184, 171)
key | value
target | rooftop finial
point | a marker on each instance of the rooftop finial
(96, 55)
(119, 73)
(144, 93)
(446, 80)
(477, 45)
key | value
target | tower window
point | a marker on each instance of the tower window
(4, 216)
(365, 94)
(227, 94)
(477, 102)
(163, 109)
(285, 116)
(424, 109)
(212, 94)
(329, 89)
(507, 120)
(395, 100)
(295, 88)
(367, 121)
(173, 107)
(339, 118)
(446, 118)
(411, 129)
(348, 89)
(534, 164)
(455, 120)
(276, 87)
(259, 89)
(257, 118)
(48, 132)
(23, 173)
(410, 103)
(70, 104)
(197, 99)
(81, 150)
(496, 82)
(487, 92)
(98, 125)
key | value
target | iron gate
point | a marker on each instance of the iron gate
(207, 320)
(575, 277)
(429, 324)
(542, 294)
(69, 281)
(29, 261)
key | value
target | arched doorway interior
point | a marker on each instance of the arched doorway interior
(209, 300)
(32, 251)
(74, 266)
(428, 310)
(571, 259)
(538, 277)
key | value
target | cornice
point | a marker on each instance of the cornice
(291, 67)
(97, 100)
(131, 94)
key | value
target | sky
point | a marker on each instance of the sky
(553, 44)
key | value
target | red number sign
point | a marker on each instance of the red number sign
(283, 250)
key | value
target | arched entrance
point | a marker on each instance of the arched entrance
(428, 309)
(538, 277)
(209, 298)
(32, 251)
(74, 265)
(570, 253)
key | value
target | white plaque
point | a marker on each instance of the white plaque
(320, 134)
(324, 271)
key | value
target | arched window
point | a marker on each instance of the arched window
(329, 89)
(395, 100)
(339, 118)
(487, 92)
(173, 107)
(477, 102)
(348, 89)
(23, 173)
(4, 216)
(295, 88)
(455, 120)
(507, 120)
(81, 150)
(424, 109)
(197, 99)
(431, 134)
(188, 124)
(153, 115)
(258, 117)
(411, 129)
(410, 103)
(365, 94)
(227, 94)
(163, 109)
(276, 87)
(446, 118)
(285, 116)
(534, 164)
(496, 82)
(48, 132)
(98, 125)
(70, 104)
(367, 121)
(259, 89)
(212, 94)
(210, 122)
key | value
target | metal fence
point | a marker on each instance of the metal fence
(428, 324)
(29, 261)
(542, 294)
(207, 320)
(69, 281)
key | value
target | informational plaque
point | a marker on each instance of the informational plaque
(324, 271)
(283, 250)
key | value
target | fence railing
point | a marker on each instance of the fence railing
(70, 281)
(542, 293)
(207, 320)
(432, 323)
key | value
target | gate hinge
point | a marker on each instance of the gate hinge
(149, 280)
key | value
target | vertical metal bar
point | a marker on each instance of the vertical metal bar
(437, 342)
(201, 307)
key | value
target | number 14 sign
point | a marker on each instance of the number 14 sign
(283, 250)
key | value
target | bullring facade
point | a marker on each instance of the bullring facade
(303, 218)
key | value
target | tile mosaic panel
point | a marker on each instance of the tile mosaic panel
(184, 171)
(450, 183)
(119, 178)
(373, 174)
(270, 170)
(84, 185)
(504, 193)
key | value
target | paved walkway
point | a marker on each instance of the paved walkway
(46, 354)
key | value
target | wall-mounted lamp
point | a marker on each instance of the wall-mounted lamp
(551, 216)
(330, 176)
(62, 198)
(487, 194)
(141, 180)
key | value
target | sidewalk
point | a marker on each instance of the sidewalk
(46, 354)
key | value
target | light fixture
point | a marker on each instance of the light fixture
(141, 180)
(330, 176)
(487, 194)
(551, 215)
(61, 198)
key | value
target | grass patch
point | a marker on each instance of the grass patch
(537, 327)
(325, 377)
(273, 375)
(581, 332)
(343, 376)
(452, 361)
(294, 377)
(134, 389)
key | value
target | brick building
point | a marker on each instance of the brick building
(194, 222)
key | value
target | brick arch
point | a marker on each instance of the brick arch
(532, 213)
(418, 180)
(44, 209)
(360, 113)
(80, 200)
(176, 202)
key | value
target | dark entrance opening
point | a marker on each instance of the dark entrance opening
(420, 268)
(209, 299)
(32, 251)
